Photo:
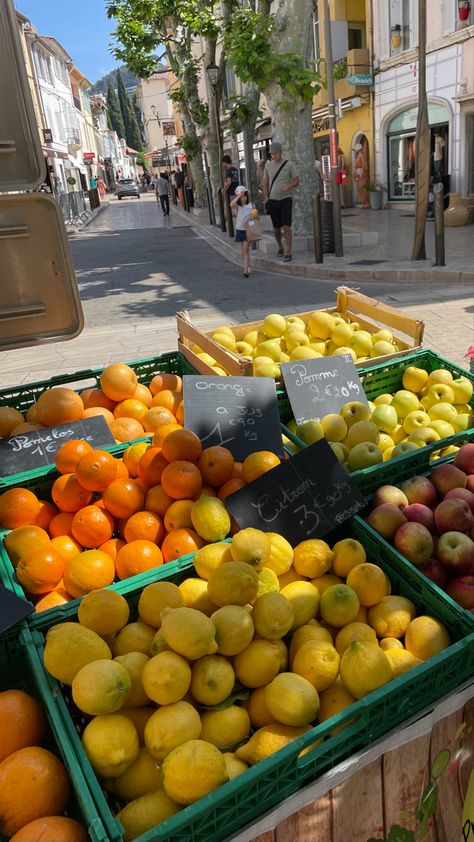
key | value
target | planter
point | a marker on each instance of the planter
(375, 199)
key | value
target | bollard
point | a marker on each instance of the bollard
(317, 228)
(230, 220)
(220, 203)
(440, 259)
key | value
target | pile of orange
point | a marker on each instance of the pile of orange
(112, 518)
(130, 409)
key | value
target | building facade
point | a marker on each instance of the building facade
(158, 119)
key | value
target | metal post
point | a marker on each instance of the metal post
(220, 203)
(422, 144)
(230, 221)
(338, 243)
(210, 199)
(317, 228)
(440, 259)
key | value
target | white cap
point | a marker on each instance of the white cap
(240, 189)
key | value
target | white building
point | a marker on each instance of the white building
(158, 119)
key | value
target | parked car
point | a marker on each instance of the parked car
(127, 187)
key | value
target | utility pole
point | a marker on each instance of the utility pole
(422, 144)
(336, 198)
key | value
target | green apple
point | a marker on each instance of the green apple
(274, 325)
(310, 431)
(364, 455)
(423, 435)
(440, 393)
(225, 339)
(385, 442)
(320, 324)
(439, 375)
(344, 350)
(462, 388)
(342, 335)
(243, 348)
(270, 348)
(443, 428)
(463, 421)
(383, 400)
(354, 411)
(334, 427)
(362, 431)
(385, 418)
(404, 402)
(382, 349)
(403, 448)
(415, 420)
(414, 379)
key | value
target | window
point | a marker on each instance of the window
(403, 35)
(316, 39)
(356, 36)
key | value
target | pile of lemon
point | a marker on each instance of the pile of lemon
(231, 665)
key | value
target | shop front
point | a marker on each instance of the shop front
(401, 149)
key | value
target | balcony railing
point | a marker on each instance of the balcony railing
(73, 136)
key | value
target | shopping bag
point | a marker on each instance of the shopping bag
(253, 230)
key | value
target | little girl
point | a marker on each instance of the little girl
(244, 210)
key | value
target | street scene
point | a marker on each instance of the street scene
(237, 421)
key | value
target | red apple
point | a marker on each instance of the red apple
(462, 494)
(453, 516)
(418, 513)
(386, 519)
(390, 494)
(464, 458)
(461, 589)
(470, 483)
(456, 553)
(445, 477)
(415, 542)
(435, 571)
(419, 490)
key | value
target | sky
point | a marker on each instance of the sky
(82, 28)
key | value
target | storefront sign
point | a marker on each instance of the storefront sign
(89, 156)
(169, 128)
(317, 387)
(156, 160)
(47, 135)
(360, 79)
(333, 146)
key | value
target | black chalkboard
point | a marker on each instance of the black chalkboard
(12, 609)
(321, 385)
(39, 448)
(240, 413)
(305, 497)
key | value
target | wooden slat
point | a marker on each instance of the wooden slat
(465, 765)
(406, 772)
(357, 302)
(358, 806)
(191, 335)
(450, 801)
(269, 836)
(312, 824)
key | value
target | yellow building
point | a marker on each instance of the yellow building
(351, 35)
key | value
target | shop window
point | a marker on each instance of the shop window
(401, 160)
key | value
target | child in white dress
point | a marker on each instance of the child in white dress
(244, 211)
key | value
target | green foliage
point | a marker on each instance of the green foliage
(240, 112)
(114, 113)
(129, 78)
(142, 161)
(190, 145)
(132, 130)
(339, 69)
(138, 115)
(396, 834)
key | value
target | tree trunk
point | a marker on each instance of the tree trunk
(252, 95)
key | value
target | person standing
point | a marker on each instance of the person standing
(279, 181)
(360, 176)
(244, 211)
(231, 176)
(162, 190)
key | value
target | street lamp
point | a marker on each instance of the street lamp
(212, 71)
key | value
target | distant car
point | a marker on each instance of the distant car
(127, 187)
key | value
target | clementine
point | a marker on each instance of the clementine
(92, 526)
(216, 465)
(137, 557)
(18, 507)
(181, 480)
(96, 470)
(69, 454)
(68, 494)
(22, 722)
(180, 542)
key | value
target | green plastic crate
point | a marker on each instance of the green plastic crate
(232, 806)
(20, 669)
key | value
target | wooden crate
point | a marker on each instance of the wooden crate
(371, 314)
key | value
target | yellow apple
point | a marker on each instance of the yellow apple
(219, 370)
(382, 336)
(364, 455)
(414, 379)
(344, 350)
(463, 421)
(354, 411)
(274, 325)
(284, 358)
(398, 434)
(415, 420)
(243, 348)
(295, 320)
(339, 451)
(462, 388)
(252, 338)
(294, 339)
(447, 451)
(385, 418)
(439, 393)
(463, 407)
(267, 370)
(320, 324)
(225, 340)
(304, 352)
(403, 448)
(439, 375)
(423, 435)
(342, 335)
(387, 454)
(225, 329)
(330, 348)
(443, 428)
(361, 342)
(385, 442)
(404, 402)
(382, 400)
(207, 359)
(270, 348)
(320, 347)
(310, 431)
(362, 431)
(334, 427)
(382, 348)
(442, 412)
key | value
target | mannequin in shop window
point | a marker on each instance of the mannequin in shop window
(438, 154)
(360, 176)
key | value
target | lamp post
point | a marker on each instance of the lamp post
(212, 71)
(336, 197)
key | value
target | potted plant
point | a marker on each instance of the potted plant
(71, 180)
(376, 191)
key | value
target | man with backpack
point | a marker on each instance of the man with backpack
(279, 181)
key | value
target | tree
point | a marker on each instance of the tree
(114, 114)
(132, 131)
(138, 115)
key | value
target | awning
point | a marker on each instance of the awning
(77, 164)
(54, 153)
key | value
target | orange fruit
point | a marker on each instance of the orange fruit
(181, 480)
(137, 557)
(258, 463)
(230, 487)
(33, 784)
(45, 515)
(61, 524)
(9, 419)
(31, 413)
(68, 494)
(238, 470)
(53, 829)
(87, 571)
(92, 526)
(96, 470)
(59, 406)
(18, 507)
(157, 500)
(66, 546)
(167, 399)
(69, 454)
(143, 525)
(27, 427)
(180, 542)
(125, 429)
(23, 540)
(162, 432)
(122, 470)
(178, 515)
(131, 408)
(180, 413)
(111, 547)
(181, 444)
(52, 600)
(95, 411)
(216, 465)
(123, 497)
(118, 381)
(41, 570)
(22, 722)
(93, 398)
(143, 394)
(155, 417)
(207, 490)
(132, 456)
(166, 381)
(151, 466)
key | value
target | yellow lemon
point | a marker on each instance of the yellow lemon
(281, 554)
(304, 598)
(159, 643)
(387, 643)
(225, 728)
(310, 631)
(104, 612)
(272, 615)
(141, 777)
(251, 546)
(135, 637)
(234, 629)
(188, 632)
(132, 456)
(101, 687)
(318, 662)
(195, 595)
(401, 661)
(354, 631)
(325, 581)
(210, 518)
(364, 668)
(313, 557)
(139, 717)
(166, 678)
(171, 726)
(339, 605)
(362, 616)
(69, 647)
(292, 699)
(290, 576)
(208, 558)
(212, 680)
(257, 708)
(111, 744)
(258, 664)
(233, 765)
(144, 813)
(333, 700)
(154, 598)
(369, 582)
(193, 770)
(347, 553)
(234, 583)
(391, 616)
(134, 663)
(425, 637)
(268, 582)
(267, 740)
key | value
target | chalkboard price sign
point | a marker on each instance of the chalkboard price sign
(39, 448)
(240, 413)
(305, 497)
(12, 609)
(319, 386)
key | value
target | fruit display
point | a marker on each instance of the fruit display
(429, 408)
(430, 521)
(210, 676)
(111, 518)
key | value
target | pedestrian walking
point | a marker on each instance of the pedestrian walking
(231, 176)
(279, 181)
(244, 212)
(361, 176)
(162, 190)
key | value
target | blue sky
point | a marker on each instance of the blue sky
(82, 28)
